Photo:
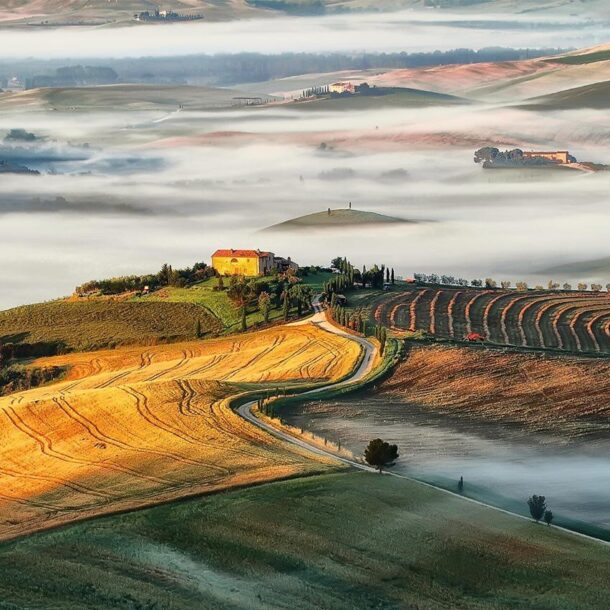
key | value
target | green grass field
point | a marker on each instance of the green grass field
(169, 314)
(219, 304)
(588, 96)
(96, 324)
(215, 302)
(339, 541)
(579, 60)
(386, 97)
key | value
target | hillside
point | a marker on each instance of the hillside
(544, 395)
(590, 96)
(119, 98)
(96, 324)
(381, 97)
(134, 426)
(93, 12)
(335, 219)
(339, 541)
(507, 81)
(574, 322)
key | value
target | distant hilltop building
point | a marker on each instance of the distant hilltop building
(342, 87)
(249, 262)
(558, 156)
(165, 15)
(491, 157)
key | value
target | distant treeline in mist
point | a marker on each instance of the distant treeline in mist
(229, 69)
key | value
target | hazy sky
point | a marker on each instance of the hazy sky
(390, 32)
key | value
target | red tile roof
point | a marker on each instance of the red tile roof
(240, 253)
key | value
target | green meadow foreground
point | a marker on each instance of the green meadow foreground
(332, 541)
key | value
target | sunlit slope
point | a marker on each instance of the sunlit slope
(136, 426)
(506, 81)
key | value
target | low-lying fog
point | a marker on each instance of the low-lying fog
(122, 193)
(500, 464)
(384, 32)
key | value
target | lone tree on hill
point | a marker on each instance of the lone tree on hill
(537, 506)
(380, 454)
(548, 516)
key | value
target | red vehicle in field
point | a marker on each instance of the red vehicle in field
(474, 337)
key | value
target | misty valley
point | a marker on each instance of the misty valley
(305, 304)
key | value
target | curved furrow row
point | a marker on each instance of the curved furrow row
(442, 321)
(541, 318)
(432, 312)
(473, 321)
(491, 319)
(596, 331)
(414, 319)
(509, 320)
(564, 337)
(185, 436)
(579, 328)
(277, 340)
(185, 356)
(450, 309)
(46, 447)
(94, 431)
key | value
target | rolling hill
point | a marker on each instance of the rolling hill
(594, 96)
(67, 325)
(382, 97)
(507, 81)
(336, 219)
(120, 98)
(334, 541)
(136, 426)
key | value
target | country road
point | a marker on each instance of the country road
(370, 351)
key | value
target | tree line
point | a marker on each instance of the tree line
(490, 283)
(166, 276)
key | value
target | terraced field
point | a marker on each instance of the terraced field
(576, 322)
(134, 426)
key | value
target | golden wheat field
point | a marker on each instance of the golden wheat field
(135, 426)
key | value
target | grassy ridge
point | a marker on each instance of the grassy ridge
(95, 324)
(334, 541)
(587, 96)
(579, 60)
(399, 97)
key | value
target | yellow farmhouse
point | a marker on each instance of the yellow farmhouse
(243, 262)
